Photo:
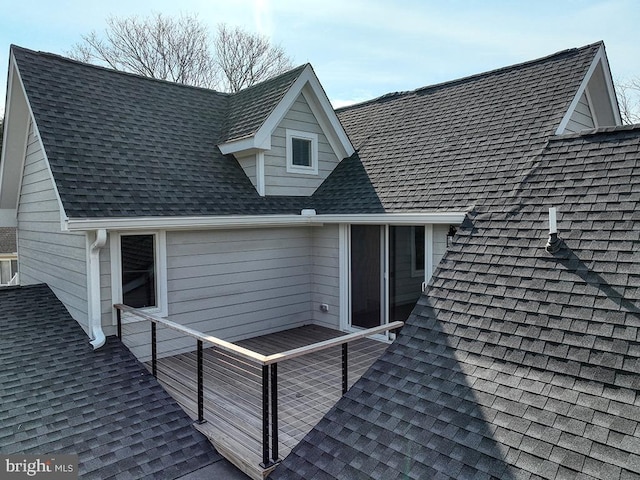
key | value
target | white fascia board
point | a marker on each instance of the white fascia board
(186, 223)
(245, 145)
(599, 57)
(261, 221)
(411, 218)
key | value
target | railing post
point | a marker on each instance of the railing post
(345, 367)
(200, 385)
(154, 351)
(274, 413)
(265, 417)
(119, 318)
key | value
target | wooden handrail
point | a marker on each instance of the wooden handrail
(255, 356)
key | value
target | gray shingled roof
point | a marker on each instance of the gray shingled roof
(516, 363)
(120, 145)
(450, 146)
(249, 108)
(60, 396)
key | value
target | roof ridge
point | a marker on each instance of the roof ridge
(270, 79)
(473, 76)
(57, 56)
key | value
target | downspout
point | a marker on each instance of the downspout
(95, 314)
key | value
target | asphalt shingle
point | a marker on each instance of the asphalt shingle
(60, 396)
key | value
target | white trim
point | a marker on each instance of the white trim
(160, 244)
(249, 221)
(345, 274)
(600, 58)
(428, 252)
(260, 182)
(300, 135)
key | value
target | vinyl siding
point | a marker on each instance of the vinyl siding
(248, 164)
(325, 280)
(581, 118)
(277, 180)
(46, 254)
(439, 243)
(232, 284)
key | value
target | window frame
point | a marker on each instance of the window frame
(313, 138)
(160, 265)
(415, 271)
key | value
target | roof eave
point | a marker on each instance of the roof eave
(259, 221)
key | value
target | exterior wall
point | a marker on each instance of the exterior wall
(439, 243)
(232, 284)
(46, 254)
(325, 279)
(248, 164)
(581, 118)
(277, 180)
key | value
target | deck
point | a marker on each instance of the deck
(308, 386)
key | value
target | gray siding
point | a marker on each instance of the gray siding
(277, 180)
(439, 243)
(248, 164)
(46, 254)
(106, 302)
(325, 280)
(581, 118)
(232, 284)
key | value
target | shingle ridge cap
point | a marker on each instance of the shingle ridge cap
(57, 56)
(271, 79)
(472, 77)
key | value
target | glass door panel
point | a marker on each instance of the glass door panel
(406, 269)
(366, 271)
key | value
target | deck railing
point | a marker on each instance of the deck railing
(268, 365)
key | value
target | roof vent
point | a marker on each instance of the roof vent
(308, 212)
(553, 244)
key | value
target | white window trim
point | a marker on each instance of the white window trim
(160, 247)
(291, 168)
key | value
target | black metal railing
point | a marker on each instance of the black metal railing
(267, 363)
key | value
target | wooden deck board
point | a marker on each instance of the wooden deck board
(308, 386)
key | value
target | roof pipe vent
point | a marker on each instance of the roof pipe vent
(553, 244)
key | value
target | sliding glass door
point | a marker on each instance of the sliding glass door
(387, 270)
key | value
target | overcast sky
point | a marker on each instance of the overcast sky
(361, 49)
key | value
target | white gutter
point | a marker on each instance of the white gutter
(253, 221)
(95, 314)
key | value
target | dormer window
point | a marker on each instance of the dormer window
(302, 152)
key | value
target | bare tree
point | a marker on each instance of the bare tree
(183, 50)
(246, 59)
(628, 93)
(175, 49)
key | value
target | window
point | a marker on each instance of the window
(138, 267)
(417, 251)
(302, 152)
(8, 268)
(137, 255)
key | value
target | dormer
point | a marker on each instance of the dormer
(594, 104)
(285, 134)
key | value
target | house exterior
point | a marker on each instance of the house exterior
(256, 212)
(8, 256)
(244, 214)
